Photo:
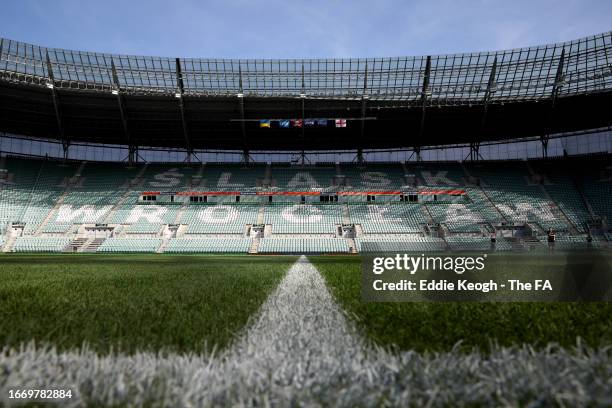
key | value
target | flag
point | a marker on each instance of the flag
(264, 123)
(309, 122)
(321, 122)
(284, 123)
(340, 122)
(296, 123)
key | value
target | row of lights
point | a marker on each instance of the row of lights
(241, 95)
(177, 95)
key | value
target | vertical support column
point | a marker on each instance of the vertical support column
(424, 98)
(303, 100)
(57, 108)
(491, 88)
(132, 149)
(179, 96)
(132, 155)
(559, 80)
(245, 148)
(474, 150)
(364, 99)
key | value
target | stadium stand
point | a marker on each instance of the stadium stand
(130, 245)
(219, 219)
(400, 243)
(303, 246)
(598, 191)
(466, 243)
(303, 219)
(316, 179)
(209, 245)
(372, 177)
(518, 199)
(347, 177)
(232, 177)
(387, 218)
(144, 219)
(40, 244)
(49, 206)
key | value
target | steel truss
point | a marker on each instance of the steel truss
(524, 74)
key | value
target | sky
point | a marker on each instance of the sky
(299, 28)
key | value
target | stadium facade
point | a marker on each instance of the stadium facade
(305, 156)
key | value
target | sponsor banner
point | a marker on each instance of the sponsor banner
(340, 193)
(289, 193)
(441, 192)
(219, 193)
(354, 193)
(429, 192)
(207, 193)
(390, 274)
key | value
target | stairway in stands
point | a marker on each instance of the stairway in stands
(8, 244)
(162, 246)
(93, 245)
(254, 246)
(346, 215)
(260, 215)
(352, 245)
(75, 245)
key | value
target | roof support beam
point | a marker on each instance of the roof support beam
(364, 99)
(491, 88)
(303, 100)
(132, 149)
(57, 107)
(179, 96)
(474, 150)
(245, 148)
(559, 80)
(424, 98)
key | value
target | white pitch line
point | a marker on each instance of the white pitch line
(300, 333)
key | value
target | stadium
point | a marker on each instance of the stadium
(155, 213)
(376, 178)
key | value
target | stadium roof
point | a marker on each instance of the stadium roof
(520, 74)
(389, 102)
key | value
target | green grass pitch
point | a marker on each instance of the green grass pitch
(188, 303)
(440, 326)
(132, 303)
